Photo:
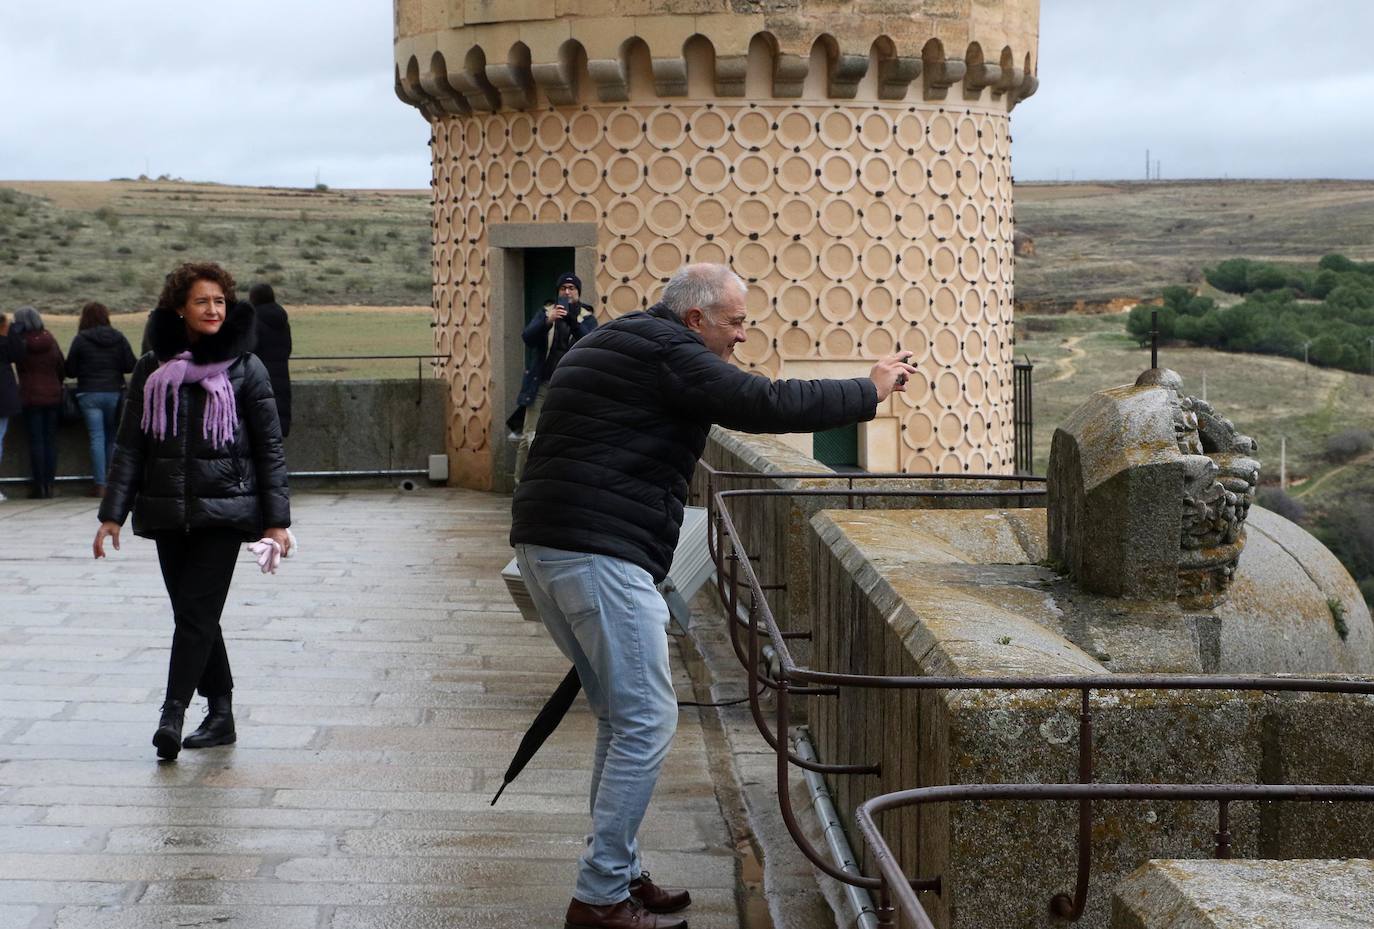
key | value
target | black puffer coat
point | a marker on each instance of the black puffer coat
(182, 482)
(274, 350)
(11, 350)
(99, 358)
(625, 420)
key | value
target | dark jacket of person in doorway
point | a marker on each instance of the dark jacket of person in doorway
(274, 348)
(551, 335)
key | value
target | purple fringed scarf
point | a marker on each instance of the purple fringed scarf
(221, 413)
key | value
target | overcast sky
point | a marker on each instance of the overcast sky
(273, 91)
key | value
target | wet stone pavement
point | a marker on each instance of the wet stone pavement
(383, 679)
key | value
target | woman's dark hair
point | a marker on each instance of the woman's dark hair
(261, 294)
(179, 283)
(93, 314)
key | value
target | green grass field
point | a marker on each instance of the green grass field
(320, 330)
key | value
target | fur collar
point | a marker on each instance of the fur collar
(167, 335)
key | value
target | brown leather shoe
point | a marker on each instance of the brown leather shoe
(627, 914)
(655, 898)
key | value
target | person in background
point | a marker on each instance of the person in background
(199, 461)
(98, 358)
(11, 350)
(274, 348)
(40, 396)
(550, 334)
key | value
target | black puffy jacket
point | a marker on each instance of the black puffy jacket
(274, 350)
(99, 358)
(182, 482)
(624, 422)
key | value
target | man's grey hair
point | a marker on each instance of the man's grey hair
(706, 286)
(26, 319)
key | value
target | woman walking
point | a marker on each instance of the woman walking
(40, 395)
(199, 461)
(98, 358)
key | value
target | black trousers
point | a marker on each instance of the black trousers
(197, 568)
(42, 423)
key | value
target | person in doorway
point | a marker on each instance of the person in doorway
(98, 358)
(40, 395)
(11, 350)
(595, 521)
(564, 322)
(274, 348)
(199, 461)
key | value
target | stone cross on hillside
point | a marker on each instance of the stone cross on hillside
(1148, 494)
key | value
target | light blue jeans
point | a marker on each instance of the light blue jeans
(605, 614)
(98, 409)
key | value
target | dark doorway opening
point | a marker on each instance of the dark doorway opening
(542, 269)
(838, 448)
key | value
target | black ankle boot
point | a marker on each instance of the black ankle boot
(168, 735)
(218, 726)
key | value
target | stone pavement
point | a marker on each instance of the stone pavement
(383, 679)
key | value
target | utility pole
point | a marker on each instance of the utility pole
(1154, 339)
(1147, 164)
(1157, 174)
(1370, 340)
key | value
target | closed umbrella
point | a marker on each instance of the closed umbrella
(544, 724)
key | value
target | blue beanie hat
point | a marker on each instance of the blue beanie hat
(570, 278)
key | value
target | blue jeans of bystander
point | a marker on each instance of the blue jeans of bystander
(99, 409)
(605, 614)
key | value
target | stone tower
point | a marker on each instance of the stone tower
(851, 159)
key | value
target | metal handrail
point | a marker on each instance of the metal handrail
(1062, 905)
(790, 674)
(435, 361)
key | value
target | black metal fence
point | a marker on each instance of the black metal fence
(1023, 417)
(751, 620)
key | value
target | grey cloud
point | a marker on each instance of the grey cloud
(266, 91)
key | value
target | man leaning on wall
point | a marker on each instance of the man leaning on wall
(595, 521)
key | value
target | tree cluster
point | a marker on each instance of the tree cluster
(1324, 314)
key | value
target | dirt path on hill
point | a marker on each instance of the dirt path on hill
(1307, 487)
(1065, 366)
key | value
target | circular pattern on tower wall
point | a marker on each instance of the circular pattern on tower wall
(835, 212)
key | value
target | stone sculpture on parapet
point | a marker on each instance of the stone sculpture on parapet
(1149, 490)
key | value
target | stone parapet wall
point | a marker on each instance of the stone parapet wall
(892, 597)
(1246, 895)
(337, 426)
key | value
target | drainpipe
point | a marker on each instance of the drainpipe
(861, 911)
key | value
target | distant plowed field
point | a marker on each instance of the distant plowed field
(1099, 242)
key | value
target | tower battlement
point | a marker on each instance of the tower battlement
(851, 161)
(479, 56)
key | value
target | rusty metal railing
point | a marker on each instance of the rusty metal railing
(735, 571)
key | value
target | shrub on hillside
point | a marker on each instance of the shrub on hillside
(1349, 444)
(1349, 533)
(1280, 502)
